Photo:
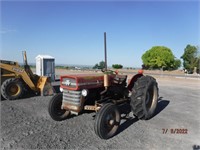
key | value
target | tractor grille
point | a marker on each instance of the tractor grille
(72, 97)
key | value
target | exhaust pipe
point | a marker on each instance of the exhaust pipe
(106, 77)
(106, 81)
(105, 52)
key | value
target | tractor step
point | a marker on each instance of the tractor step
(92, 107)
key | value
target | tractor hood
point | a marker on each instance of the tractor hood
(82, 81)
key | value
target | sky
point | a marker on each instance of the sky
(73, 31)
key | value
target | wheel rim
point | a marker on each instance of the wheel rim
(147, 98)
(13, 90)
(111, 122)
(151, 97)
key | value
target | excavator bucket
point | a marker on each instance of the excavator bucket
(44, 84)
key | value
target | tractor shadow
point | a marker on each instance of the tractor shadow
(2, 98)
(128, 122)
(162, 104)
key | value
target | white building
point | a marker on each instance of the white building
(45, 66)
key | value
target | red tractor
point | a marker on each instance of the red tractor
(104, 93)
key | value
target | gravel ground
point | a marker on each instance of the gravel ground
(25, 123)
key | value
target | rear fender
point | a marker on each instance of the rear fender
(133, 80)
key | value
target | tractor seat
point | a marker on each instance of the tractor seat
(119, 79)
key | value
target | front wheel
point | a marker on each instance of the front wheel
(107, 121)
(55, 110)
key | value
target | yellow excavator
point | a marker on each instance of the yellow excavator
(17, 80)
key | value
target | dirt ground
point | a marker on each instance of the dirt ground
(26, 124)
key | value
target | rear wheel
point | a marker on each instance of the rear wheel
(55, 110)
(144, 97)
(107, 121)
(12, 88)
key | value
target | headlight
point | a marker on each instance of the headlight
(61, 89)
(84, 92)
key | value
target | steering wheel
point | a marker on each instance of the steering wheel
(109, 71)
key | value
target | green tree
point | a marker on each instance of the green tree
(160, 57)
(190, 57)
(96, 66)
(99, 65)
(117, 66)
(177, 63)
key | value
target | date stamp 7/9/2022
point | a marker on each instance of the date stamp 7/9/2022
(179, 131)
(174, 131)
